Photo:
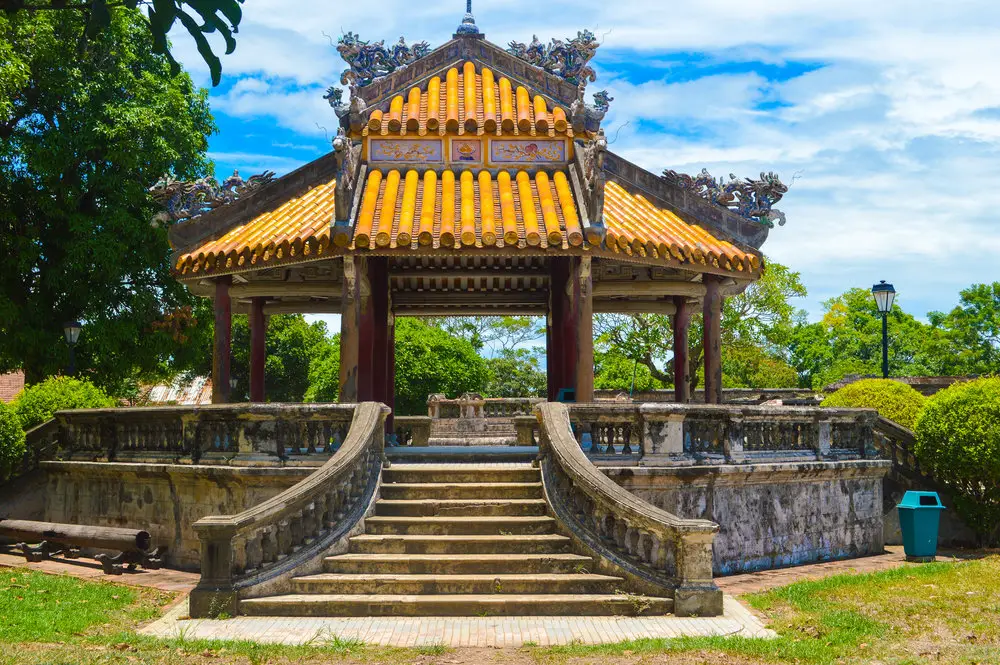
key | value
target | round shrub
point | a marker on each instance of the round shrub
(893, 400)
(36, 404)
(958, 441)
(11, 442)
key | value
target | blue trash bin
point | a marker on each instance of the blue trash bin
(919, 520)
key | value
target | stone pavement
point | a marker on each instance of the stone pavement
(457, 631)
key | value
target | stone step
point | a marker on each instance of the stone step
(415, 491)
(460, 473)
(456, 605)
(393, 544)
(457, 564)
(459, 507)
(457, 584)
(485, 525)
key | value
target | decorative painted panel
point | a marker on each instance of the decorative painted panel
(467, 150)
(408, 151)
(527, 151)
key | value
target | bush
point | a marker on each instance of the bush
(11, 442)
(893, 400)
(958, 441)
(36, 404)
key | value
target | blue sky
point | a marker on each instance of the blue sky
(884, 116)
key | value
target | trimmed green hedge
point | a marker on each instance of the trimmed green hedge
(36, 404)
(11, 442)
(893, 400)
(958, 441)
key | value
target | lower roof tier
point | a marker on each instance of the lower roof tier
(406, 211)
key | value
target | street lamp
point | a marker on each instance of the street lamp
(72, 332)
(884, 294)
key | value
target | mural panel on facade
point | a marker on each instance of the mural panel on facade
(520, 151)
(467, 150)
(409, 150)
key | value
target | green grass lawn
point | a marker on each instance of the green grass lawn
(944, 613)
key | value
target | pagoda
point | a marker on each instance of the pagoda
(470, 179)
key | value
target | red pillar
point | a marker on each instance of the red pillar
(561, 338)
(713, 340)
(583, 322)
(378, 278)
(390, 396)
(682, 361)
(223, 341)
(350, 318)
(258, 349)
(366, 337)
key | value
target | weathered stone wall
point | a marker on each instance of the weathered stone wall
(772, 515)
(164, 499)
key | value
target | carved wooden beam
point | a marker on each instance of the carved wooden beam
(324, 289)
(648, 288)
(634, 307)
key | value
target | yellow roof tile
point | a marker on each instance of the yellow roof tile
(469, 102)
(407, 210)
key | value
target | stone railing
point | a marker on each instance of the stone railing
(475, 407)
(199, 434)
(412, 430)
(265, 545)
(686, 434)
(660, 553)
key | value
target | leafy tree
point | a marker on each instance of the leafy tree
(763, 316)
(848, 340)
(199, 18)
(893, 400)
(430, 360)
(613, 371)
(293, 347)
(83, 134)
(324, 373)
(515, 373)
(750, 366)
(11, 442)
(970, 340)
(498, 333)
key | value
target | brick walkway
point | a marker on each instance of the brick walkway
(88, 569)
(458, 631)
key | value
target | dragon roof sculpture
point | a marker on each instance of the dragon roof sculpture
(183, 200)
(566, 59)
(369, 61)
(749, 198)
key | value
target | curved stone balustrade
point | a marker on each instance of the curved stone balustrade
(261, 548)
(659, 552)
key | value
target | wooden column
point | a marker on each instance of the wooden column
(258, 349)
(223, 341)
(366, 335)
(350, 318)
(378, 278)
(390, 395)
(560, 356)
(713, 339)
(583, 306)
(682, 360)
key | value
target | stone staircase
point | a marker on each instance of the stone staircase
(458, 540)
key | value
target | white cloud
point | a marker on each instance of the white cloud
(893, 136)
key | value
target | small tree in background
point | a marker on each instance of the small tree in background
(893, 400)
(430, 360)
(958, 441)
(11, 442)
(38, 403)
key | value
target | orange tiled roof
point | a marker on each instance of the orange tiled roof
(637, 227)
(469, 102)
(468, 209)
(298, 228)
(453, 209)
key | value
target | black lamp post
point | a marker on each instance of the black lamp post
(884, 297)
(72, 332)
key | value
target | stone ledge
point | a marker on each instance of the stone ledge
(745, 474)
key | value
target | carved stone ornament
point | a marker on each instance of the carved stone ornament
(593, 176)
(565, 59)
(749, 198)
(184, 200)
(369, 61)
(347, 169)
(585, 116)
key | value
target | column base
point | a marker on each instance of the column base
(698, 601)
(212, 602)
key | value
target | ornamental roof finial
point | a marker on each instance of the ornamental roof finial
(468, 28)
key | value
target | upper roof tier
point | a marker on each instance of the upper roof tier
(469, 100)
